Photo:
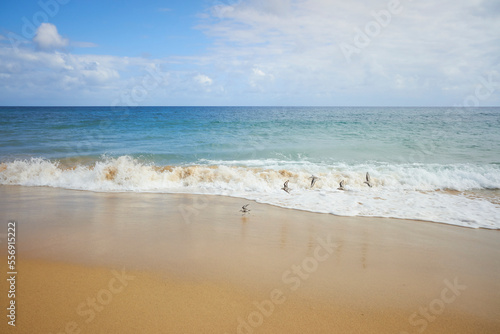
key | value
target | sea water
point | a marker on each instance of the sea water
(436, 164)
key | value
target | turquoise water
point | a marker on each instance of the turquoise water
(253, 150)
(184, 135)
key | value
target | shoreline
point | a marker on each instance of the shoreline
(468, 194)
(335, 273)
(399, 191)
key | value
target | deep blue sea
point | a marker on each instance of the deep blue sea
(437, 164)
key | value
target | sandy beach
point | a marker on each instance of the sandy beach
(172, 263)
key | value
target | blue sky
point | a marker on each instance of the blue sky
(250, 52)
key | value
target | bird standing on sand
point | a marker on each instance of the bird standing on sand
(368, 180)
(245, 209)
(313, 180)
(341, 184)
(285, 187)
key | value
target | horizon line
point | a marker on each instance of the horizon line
(247, 106)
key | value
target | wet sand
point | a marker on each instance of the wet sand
(157, 263)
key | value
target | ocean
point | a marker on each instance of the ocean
(435, 164)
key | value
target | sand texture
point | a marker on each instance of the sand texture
(156, 263)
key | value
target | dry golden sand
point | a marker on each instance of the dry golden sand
(53, 298)
(156, 263)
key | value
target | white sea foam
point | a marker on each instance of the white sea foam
(412, 191)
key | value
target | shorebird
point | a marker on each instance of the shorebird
(244, 208)
(285, 187)
(368, 180)
(341, 184)
(313, 180)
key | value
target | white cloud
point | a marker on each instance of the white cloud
(34, 77)
(260, 80)
(281, 52)
(258, 72)
(72, 79)
(422, 47)
(203, 80)
(47, 38)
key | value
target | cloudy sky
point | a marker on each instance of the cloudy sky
(250, 52)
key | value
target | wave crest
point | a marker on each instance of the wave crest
(400, 191)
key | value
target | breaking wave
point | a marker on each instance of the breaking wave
(459, 194)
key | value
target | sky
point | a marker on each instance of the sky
(250, 52)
